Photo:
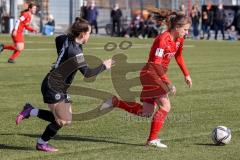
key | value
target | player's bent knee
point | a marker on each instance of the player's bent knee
(167, 108)
(63, 122)
(20, 48)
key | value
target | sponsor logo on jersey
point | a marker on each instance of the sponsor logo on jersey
(159, 52)
(169, 55)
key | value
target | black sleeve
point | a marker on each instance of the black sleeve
(88, 72)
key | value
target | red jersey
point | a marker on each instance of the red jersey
(164, 49)
(23, 22)
(153, 75)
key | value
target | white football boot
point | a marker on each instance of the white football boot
(107, 104)
(156, 143)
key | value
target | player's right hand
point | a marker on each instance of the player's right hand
(35, 31)
(109, 63)
(14, 33)
(188, 81)
(172, 88)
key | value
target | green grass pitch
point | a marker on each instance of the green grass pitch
(213, 100)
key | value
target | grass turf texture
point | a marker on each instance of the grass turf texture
(213, 100)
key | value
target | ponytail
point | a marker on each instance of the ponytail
(173, 19)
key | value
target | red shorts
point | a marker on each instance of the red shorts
(153, 86)
(18, 38)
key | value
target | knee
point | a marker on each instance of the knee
(62, 123)
(167, 107)
(20, 48)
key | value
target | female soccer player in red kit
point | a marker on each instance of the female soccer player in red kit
(155, 82)
(17, 33)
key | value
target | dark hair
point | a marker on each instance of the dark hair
(159, 14)
(178, 20)
(30, 6)
(172, 18)
(80, 25)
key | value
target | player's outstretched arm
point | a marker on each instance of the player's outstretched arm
(30, 29)
(88, 72)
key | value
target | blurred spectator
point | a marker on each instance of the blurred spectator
(195, 15)
(219, 21)
(238, 21)
(232, 33)
(161, 26)
(182, 9)
(116, 15)
(84, 10)
(49, 27)
(92, 14)
(136, 28)
(51, 21)
(207, 21)
(150, 29)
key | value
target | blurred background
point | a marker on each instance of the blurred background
(63, 12)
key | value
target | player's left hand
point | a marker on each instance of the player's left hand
(188, 80)
(35, 31)
(109, 63)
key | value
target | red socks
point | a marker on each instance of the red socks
(15, 54)
(9, 47)
(157, 123)
(131, 107)
(136, 108)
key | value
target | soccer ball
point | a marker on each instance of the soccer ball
(221, 135)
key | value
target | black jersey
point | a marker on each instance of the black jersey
(67, 49)
(70, 59)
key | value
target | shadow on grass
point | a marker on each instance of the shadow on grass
(83, 139)
(9, 147)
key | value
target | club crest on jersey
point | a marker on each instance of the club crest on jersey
(57, 96)
(159, 52)
(178, 44)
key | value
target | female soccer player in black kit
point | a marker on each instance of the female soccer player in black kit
(69, 49)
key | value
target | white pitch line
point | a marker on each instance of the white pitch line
(91, 43)
(98, 48)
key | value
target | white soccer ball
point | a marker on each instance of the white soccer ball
(221, 135)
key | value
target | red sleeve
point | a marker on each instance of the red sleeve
(180, 61)
(28, 17)
(157, 57)
(29, 28)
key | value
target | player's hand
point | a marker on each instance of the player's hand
(14, 33)
(35, 31)
(188, 80)
(109, 63)
(173, 89)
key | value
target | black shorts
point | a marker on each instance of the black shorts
(50, 96)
